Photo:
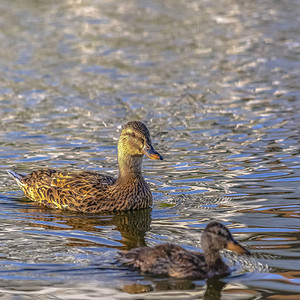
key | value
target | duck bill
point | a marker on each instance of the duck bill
(237, 248)
(152, 153)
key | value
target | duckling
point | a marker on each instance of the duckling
(175, 261)
(90, 192)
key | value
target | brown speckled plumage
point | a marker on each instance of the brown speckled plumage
(175, 261)
(91, 192)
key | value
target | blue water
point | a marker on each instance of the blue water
(217, 83)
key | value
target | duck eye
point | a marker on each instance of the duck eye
(132, 134)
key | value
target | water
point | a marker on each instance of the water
(217, 84)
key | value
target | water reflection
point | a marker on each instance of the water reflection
(219, 90)
(211, 291)
(214, 288)
(132, 226)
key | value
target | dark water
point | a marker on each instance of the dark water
(217, 82)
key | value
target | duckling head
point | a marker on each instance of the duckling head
(135, 141)
(217, 237)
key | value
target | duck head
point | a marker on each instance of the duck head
(217, 237)
(135, 141)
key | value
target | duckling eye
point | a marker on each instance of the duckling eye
(221, 234)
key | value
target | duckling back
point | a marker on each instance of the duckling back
(167, 259)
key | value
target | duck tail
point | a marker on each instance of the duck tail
(17, 177)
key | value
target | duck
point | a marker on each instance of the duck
(91, 192)
(174, 261)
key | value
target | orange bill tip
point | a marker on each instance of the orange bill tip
(237, 248)
(153, 154)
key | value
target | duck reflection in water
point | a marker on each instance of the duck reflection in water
(213, 290)
(131, 225)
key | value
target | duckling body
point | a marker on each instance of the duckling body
(175, 261)
(91, 192)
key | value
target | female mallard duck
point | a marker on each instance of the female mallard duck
(91, 192)
(174, 261)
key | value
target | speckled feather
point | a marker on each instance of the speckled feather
(175, 261)
(167, 259)
(91, 192)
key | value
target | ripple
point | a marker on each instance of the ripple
(219, 91)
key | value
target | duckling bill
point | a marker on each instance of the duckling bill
(175, 261)
(91, 192)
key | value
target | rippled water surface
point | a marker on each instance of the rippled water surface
(217, 83)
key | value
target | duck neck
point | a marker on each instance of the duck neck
(214, 261)
(130, 167)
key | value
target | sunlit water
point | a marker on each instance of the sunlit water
(217, 82)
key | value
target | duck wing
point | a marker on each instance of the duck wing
(64, 190)
(83, 182)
